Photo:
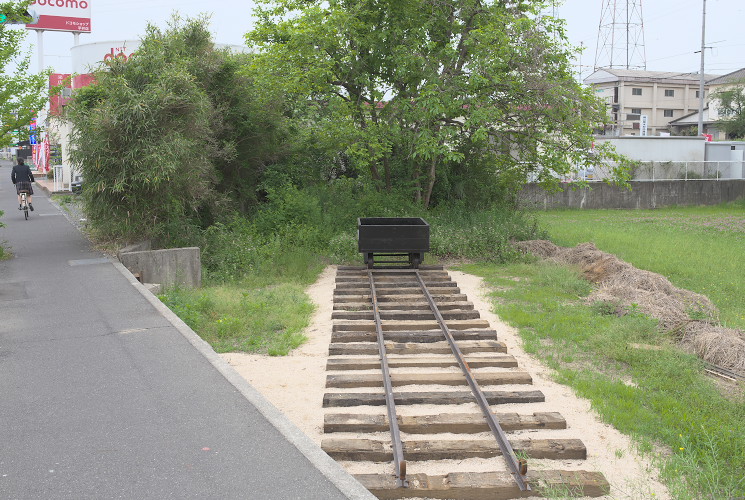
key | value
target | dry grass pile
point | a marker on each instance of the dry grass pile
(716, 344)
(691, 316)
(539, 248)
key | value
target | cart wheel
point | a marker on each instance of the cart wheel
(415, 259)
(370, 261)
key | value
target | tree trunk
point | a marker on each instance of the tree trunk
(431, 182)
(374, 173)
(417, 184)
(387, 173)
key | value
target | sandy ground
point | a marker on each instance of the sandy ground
(296, 383)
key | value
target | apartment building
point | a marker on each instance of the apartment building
(634, 97)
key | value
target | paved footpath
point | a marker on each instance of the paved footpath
(104, 393)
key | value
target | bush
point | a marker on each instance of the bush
(299, 229)
(480, 234)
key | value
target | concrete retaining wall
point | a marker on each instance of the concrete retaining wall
(167, 267)
(643, 194)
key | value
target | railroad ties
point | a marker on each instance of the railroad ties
(421, 427)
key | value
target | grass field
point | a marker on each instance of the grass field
(659, 396)
(701, 249)
(691, 428)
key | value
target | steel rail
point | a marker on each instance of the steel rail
(398, 452)
(723, 372)
(518, 467)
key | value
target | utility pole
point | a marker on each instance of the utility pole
(701, 75)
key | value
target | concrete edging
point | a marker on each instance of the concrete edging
(325, 464)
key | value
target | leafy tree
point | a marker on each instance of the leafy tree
(464, 94)
(170, 138)
(731, 102)
(22, 93)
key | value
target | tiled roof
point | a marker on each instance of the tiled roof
(692, 118)
(734, 77)
(640, 75)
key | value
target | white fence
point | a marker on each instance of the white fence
(671, 170)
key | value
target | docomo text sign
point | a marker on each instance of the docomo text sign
(62, 15)
(117, 53)
(68, 4)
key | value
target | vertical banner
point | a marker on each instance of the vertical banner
(643, 126)
(61, 15)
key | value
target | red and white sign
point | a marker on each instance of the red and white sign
(57, 100)
(61, 15)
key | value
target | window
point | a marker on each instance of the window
(636, 111)
(668, 113)
(697, 93)
(669, 93)
(636, 91)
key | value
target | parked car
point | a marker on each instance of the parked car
(76, 186)
(586, 174)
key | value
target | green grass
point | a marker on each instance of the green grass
(696, 248)
(4, 252)
(267, 320)
(63, 199)
(656, 396)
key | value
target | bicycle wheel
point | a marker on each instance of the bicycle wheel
(24, 203)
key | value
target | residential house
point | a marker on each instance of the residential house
(712, 113)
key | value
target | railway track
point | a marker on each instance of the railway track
(722, 372)
(420, 390)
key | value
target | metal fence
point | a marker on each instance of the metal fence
(669, 171)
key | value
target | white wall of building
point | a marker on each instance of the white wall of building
(660, 148)
(87, 56)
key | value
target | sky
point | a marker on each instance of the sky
(672, 29)
(672, 33)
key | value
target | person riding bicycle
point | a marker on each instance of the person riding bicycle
(22, 178)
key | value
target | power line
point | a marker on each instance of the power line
(621, 36)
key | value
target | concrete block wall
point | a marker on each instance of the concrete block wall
(167, 267)
(643, 194)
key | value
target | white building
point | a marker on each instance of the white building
(712, 113)
(660, 96)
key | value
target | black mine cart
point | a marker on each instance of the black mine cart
(393, 237)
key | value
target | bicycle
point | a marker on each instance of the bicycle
(24, 203)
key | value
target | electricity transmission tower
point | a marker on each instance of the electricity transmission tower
(621, 36)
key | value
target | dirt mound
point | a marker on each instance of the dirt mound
(690, 315)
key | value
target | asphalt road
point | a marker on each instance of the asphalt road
(103, 395)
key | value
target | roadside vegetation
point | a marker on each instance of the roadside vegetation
(4, 253)
(635, 377)
(23, 91)
(255, 270)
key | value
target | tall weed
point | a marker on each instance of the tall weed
(319, 223)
